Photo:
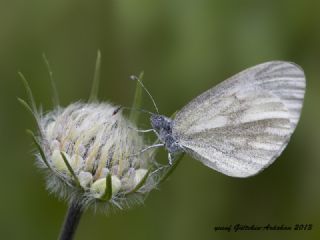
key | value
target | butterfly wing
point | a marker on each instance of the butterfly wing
(243, 124)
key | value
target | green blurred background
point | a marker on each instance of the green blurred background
(184, 47)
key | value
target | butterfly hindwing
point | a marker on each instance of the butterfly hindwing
(243, 124)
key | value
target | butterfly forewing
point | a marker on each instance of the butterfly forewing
(242, 125)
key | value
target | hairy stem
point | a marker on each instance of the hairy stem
(71, 222)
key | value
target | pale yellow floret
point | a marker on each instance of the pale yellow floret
(85, 179)
(99, 186)
(57, 161)
(76, 162)
(140, 174)
(105, 152)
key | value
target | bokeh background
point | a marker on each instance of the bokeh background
(184, 47)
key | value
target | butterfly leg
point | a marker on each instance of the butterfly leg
(150, 147)
(143, 130)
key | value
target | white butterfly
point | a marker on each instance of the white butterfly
(240, 126)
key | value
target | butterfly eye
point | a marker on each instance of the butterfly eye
(156, 121)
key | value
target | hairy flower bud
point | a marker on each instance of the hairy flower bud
(93, 155)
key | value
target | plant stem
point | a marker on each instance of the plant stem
(71, 222)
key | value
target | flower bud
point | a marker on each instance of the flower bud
(84, 144)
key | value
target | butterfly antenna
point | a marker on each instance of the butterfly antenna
(133, 77)
(137, 109)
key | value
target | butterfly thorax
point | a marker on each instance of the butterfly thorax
(163, 128)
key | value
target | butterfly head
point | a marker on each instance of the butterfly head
(161, 123)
